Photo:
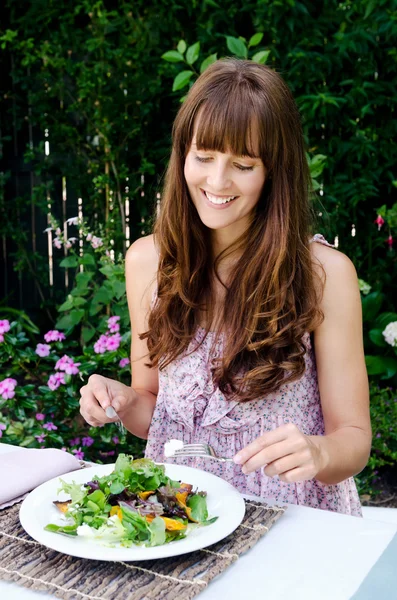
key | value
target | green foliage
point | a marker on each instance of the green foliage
(43, 413)
(106, 83)
(384, 445)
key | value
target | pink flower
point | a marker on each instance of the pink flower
(40, 417)
(96, 242)
(113, 326)
(4, 326)
(54, 336)
(78, 453)
(50, 426)
(58, 231)
(390, 241)
(2, 428)
(115, 440)
(1, 338)
(87, 441)
(74, 442)
(57, 243)
(43, 350)
(100, 345)
(7, 387)
(40, 438)
(55, 380)
(379, 222)
(89, 237)
(113, 342)
(68, 365)
(124, 362)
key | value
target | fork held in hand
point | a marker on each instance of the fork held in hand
(201, 450)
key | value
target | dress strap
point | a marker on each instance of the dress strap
(318, 237)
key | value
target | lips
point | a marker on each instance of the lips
(216, 201)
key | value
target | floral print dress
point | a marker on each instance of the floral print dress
(191, 408)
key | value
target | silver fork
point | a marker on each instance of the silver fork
(201, 450)
(111, 413)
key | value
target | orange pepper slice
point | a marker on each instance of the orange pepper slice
(170, 524)
(144, 495)
(116, 510)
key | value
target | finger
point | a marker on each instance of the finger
(97, 385)
(299, 474)
(282, 465)
(91, 410)
(267, 456)
(264, 441)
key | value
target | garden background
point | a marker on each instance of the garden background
(89, 90)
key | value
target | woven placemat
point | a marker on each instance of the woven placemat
(28, 563)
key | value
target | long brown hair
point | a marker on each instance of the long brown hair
(271, 299)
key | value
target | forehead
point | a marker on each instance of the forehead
(233, 132)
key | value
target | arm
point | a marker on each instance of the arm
(134, 405)
(344, 449)
(140, 272)
(342, 376)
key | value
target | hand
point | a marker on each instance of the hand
(101, 392)
(285, 452)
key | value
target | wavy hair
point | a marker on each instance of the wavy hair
(271, 296)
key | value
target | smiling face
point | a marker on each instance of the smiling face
(224, 188)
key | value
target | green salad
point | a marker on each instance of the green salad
(137, 504)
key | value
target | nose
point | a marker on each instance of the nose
(218, 177)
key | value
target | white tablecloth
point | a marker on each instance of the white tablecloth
(308, 554)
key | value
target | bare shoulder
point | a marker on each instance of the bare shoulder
(141, 264)
(332, 266)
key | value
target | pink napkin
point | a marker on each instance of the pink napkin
(23, 470)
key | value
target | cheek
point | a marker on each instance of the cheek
(190, 172)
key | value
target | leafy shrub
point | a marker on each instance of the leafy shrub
(384, 445)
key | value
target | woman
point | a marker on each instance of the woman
(246, 330)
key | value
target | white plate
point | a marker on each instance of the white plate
(223, 501)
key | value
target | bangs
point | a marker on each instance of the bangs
(229, 122)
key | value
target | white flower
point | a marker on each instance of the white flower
(58, 231)
(73, 221)
(365, 288)
(57, 243)
(47, 230)
(390, 334)
(72, 240)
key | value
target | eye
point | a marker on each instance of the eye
(203, 159)
(241, 168)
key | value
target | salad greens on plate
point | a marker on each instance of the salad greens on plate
(136, 504)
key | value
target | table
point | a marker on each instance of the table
(308, 554)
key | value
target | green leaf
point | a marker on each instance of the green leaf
(181, 46)
(385, 318)
(69, 262)
(67, 305)
(88, 259)
(236, 46)
(119, 289)
(381, 365)
(198, 504)
(255, 40)
(370, 7)
(88, 332)
(70, 320)
(192, 53)
(261, 57)
(371, 305)
(181, 80)
(375, 335)
(172, 56)
(208, 61)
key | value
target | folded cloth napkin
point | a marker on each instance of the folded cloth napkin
(24, 469)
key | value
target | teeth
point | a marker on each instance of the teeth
(217, 200)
